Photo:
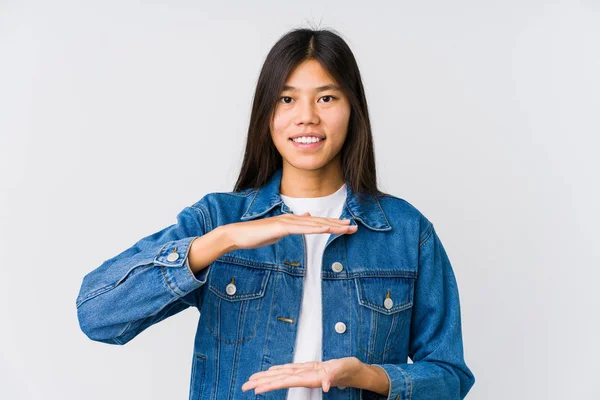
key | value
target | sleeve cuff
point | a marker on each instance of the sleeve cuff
(173, 260)
(400, 383)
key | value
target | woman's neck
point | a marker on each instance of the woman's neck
(321, 182)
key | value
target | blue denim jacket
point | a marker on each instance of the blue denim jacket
(390, 283)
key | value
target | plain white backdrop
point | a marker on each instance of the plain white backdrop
(115, 115)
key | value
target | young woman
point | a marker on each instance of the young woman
(310, 282)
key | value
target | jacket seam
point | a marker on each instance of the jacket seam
(427, 234)
(409, 382)
(200, 209)
(382, 212)
(162, 269)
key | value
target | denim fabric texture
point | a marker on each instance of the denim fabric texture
(390, 283)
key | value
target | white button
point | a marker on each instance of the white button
(388, 303)
(340, 327)
(337, 266)
(172, 257)
(341, 387)
(230, 289)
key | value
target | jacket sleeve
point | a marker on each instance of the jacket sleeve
(438, 371)
(144, 284)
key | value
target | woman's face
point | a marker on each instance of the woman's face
(310, 104)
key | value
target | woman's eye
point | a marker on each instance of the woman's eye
(288, 102)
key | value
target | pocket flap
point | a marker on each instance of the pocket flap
(234, 282)
(373, 292)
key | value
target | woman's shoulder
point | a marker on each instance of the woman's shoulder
(401, 212)
(224, 197)
(224, 207)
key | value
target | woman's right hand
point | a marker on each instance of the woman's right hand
(266, 231)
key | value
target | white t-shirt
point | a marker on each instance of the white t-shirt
(309, 337)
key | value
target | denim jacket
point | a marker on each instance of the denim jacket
(390, 285)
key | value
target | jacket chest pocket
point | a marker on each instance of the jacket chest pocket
(234, 301)
(385, 305)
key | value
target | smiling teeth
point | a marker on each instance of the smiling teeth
(305, 139)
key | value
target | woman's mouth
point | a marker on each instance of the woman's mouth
(308, 144)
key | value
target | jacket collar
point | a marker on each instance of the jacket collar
(368, 211)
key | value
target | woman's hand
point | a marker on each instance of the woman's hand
(262, 232)
(340, 372)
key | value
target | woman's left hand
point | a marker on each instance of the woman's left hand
(336, 372)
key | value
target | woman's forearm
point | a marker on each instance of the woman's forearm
(208, 247)
(372, 378)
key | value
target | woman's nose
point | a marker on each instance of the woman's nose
(307, 113)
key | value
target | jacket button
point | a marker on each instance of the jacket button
(340, 327)
(337, 266)
(230, 289)
(172, 257)
(388, 303)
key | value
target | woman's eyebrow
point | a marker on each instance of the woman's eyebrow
(318, 89)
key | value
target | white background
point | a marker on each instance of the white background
(115, 115)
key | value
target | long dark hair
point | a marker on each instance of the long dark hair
(261, 157)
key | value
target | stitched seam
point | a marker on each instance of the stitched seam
(275, 279)
(167, 282)
(251, 203)
(387, 344)
(427, 233)
(350, 319)
(245, 296)
(203, 361)
(391, 310)
(240, 193)
(409, 382)
(384, 274)
(122, 332)
(236, 357)
(141, 322)
(249, 263)
(111, 286)
(236, 341)
(383, 213)
(206, 222)
(95, 293)
(375, 355)
(259, 299)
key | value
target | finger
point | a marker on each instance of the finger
(264, 380)
(308, 369)
(324, 219)
(328, 229)
(292, 228)
(310, 364)
(310, 381)
(316, 222)
(300, 365)
(292, 369)
(307, 223)
(338, 228)
(273, 374)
